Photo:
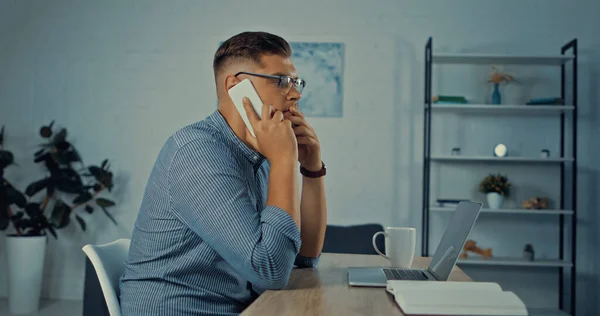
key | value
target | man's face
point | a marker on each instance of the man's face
(269, 90)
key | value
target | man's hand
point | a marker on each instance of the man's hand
(274, 135)
(309, 147)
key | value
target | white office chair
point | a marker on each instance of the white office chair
(109, 262)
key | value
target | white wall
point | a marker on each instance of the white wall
(123, 75)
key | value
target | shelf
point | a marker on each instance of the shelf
(499, 159)
(480, 59)
(510, 211)
(515, 262)
(503, 108)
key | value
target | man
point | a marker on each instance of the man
(222, 219)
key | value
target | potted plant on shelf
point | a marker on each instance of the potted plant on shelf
(31, 224)
(497, 187)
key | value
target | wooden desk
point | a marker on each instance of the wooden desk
(325, 291)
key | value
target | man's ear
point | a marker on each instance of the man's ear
(230, 81)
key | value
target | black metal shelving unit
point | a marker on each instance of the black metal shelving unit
(567, 214)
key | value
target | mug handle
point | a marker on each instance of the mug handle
(375, 245)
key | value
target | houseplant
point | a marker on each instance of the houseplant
(32, 221)
(496, 187)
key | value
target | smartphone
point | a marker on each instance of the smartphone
(237, 94)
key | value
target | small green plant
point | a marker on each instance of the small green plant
(495, 183)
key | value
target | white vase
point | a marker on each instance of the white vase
(25, 256)
(495, 200)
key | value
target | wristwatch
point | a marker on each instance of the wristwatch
(314, 174)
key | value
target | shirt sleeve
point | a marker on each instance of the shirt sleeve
(211, 196)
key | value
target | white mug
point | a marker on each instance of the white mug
(400, 243)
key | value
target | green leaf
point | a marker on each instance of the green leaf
(72, 156)
(4, 220)
(62, 146)
(60, 214)
(97, 172)
(17, 216)
(104, 162)
(109, 216)
(15, 196)
(41, 157)
(60, 136)
(36, 187)
(89, 209)
(83, 198)
(6, 158)
(2, 136)
(67, 180)
(104, 202)
(33, 210)
(80, 221)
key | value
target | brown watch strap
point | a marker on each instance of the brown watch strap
(314, 174)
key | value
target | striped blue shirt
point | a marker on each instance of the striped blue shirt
(204, 241)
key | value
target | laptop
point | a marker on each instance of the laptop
(443, 261)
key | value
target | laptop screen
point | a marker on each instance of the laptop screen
(454, 238)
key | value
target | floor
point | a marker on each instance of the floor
(48, 308)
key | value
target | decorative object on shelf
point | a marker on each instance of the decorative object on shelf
(528, 253)
(500, 150)
(449, 202)
(497, 78)
(471, 246)
(536, 203)
(455, 151)
(31, 223)
(546, 101)
(449, 99)
(545, 153)
(496, 187)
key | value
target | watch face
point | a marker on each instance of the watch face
(500, 150)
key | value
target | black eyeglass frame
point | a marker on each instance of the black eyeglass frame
(296, 81)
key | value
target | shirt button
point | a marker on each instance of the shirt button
(255, 157)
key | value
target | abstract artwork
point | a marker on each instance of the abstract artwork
(322, 66)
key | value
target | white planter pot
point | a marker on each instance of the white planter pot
(25, 256)
(495, 200)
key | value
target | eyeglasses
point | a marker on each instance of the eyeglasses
(285, 83)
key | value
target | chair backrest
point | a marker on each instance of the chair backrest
(356, 239)
(109, 262)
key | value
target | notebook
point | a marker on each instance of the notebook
(455, 298)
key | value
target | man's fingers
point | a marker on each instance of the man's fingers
(296, 112)
(303, 131)
(252, 116)
(251, 139)
(278, 116)
(266, 111)
(298, 121)
(306, 140)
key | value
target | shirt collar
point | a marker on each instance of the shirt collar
(252, 155)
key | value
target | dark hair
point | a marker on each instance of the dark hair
(250, 46)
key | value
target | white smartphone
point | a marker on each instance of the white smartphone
(237, 94)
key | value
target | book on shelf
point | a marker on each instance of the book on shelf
(545, 101)
(449, 99)
(447, 202)
(454, 298)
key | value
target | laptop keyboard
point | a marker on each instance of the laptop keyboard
(404, 274)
